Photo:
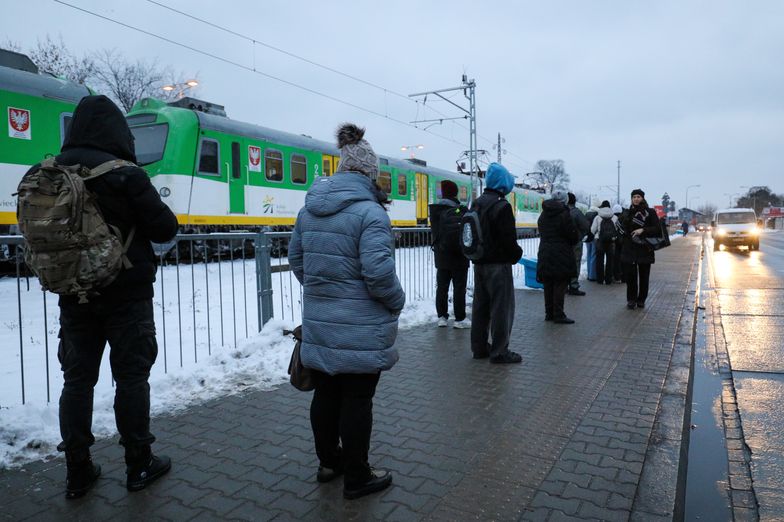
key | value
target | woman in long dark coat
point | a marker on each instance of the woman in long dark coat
(638, 221)
(556, 264)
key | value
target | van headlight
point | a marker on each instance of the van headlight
(754, 231)
(721, 232)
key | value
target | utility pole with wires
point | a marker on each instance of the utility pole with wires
(500, 148)
(618, 187)
(469, 91)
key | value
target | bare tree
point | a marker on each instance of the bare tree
(759, 197)
(708, 210)
(10, 45)
(551, 175)
(128, 82)
(54, 58)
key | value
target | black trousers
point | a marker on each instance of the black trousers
(617, 265)
(631, 272)
(493, 309)
(554, 296)
(342, 411)
(85, 329)
(605, 252)
(459, 279)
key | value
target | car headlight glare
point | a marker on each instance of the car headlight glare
(721, 232)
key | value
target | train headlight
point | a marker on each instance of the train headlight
(165, 192)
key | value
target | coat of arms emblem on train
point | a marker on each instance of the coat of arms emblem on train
(18, 123)
(254, 158)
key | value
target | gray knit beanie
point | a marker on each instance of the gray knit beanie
(356, 154)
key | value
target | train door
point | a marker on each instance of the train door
(422, 197)
(238, 178)
(328, 164)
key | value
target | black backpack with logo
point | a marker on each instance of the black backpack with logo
(475, 238)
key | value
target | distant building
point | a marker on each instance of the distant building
(773, 217)
(691, 216)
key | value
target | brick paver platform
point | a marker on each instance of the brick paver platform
(564, 435)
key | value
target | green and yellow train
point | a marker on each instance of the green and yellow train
(214, 172)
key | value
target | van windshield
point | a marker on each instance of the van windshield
(729, 218)
(150, 142)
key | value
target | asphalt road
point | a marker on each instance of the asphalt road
(750, 288)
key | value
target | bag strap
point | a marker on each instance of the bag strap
(107, 167)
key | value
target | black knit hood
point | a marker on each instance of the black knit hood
(98, 124)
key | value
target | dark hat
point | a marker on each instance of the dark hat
(638, 192)
(572, 198)
(605, 204)
(448, 189)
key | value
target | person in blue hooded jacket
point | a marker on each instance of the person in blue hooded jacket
(494, 301)
(341, 252)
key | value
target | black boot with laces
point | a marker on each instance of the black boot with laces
(81, 474)
(144, 468)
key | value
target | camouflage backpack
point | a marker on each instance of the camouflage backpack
(68, 243)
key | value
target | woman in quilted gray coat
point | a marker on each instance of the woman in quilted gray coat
(341, 252)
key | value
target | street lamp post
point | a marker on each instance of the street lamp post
(180, 88)
(687, 193)
(412, 148)
(731, 195)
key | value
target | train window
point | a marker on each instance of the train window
(236, 171)
(209, 155)
(299, 169)
(327, 170)
(150, 142)
(140, 119)
(402, 185)
(384, 181)
(65, 125)
(463, 193)
(273, 163)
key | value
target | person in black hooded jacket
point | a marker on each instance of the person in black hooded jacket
(120, 313)
(556, 264)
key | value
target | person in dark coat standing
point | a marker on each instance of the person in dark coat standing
(451, 264)
(120, 313)
(638, 221)
(494, 300)
(685, 227)
(583, 229)
(341, 251)
(556, 264)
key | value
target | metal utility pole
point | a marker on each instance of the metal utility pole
(618, 187)
(469, 91)
(499, 146)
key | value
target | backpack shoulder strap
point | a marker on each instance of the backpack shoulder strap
(108, 166)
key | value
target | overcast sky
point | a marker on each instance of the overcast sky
(681, 92)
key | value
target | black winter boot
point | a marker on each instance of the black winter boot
(81, 474)
(143, 468)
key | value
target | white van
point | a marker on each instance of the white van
(734, 227)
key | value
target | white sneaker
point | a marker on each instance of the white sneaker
(465, 323)
(442, 322)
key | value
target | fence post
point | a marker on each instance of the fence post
(263, 279)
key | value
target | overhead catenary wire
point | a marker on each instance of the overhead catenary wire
(320, 65)
(253, 70)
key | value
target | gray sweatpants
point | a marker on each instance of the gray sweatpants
(578, 256)
(493, 309)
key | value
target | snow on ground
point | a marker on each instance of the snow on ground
(206, 318)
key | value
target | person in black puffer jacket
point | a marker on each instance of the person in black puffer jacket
(451, 264)
(556, 263)
(494, 300)
(638, 221)
(120, 313)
